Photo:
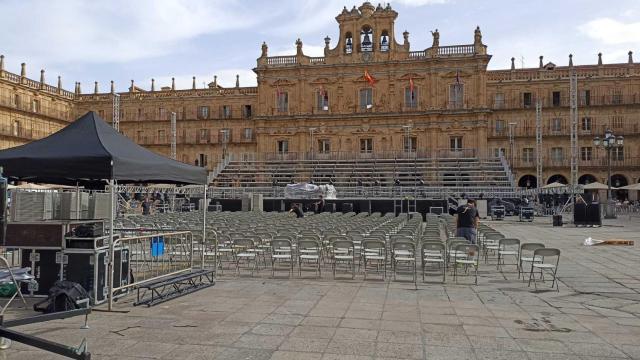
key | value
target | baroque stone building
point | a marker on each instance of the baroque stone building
(370, 95)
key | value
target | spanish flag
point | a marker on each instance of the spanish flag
(369, 78)
(411, 87)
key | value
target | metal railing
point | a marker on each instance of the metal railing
(155, 256)
(354, 155)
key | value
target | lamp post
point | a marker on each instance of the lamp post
(311, 131)
(609, 142)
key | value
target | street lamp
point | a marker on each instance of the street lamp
(609, 142)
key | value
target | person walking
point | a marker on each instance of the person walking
(467, 218)
(296, 209)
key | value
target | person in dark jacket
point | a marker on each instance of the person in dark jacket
(467, 221)
(297, 210)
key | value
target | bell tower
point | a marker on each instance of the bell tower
(366, 34)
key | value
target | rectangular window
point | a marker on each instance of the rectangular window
(139, 136)
(162, 114)
(585, 97)
(324, 146)
(226, 111)
(526, 99)
(366, 98)
(499, 126)
(322, 100)
(409, 143)
(246, 112)
(366, 145)
(204, 135)
(616, 122)
(35, 105)
(455, 143)
(616, 99)
(556, 125)
(224, 136)
(527, 154)
(585, 124)
(498, 101)
(410, 98)
(456, 96)
(203, 112)
(248, 133)
(585, 153)
(16, 100)
(282, 100)
(556, 98)
(617, 154)
(139, 114)
(283, 146)
(161, 136)
(557, 154)
(498, 151)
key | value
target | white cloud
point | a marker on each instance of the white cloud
(114, 31)
(419, 2)
(612, 32)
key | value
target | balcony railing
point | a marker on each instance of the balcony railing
(517, 102)
(17, 79)
(281, 60)
(456, 50)
(588, 71)
(595, 161)
(626, 127)
(62, 112)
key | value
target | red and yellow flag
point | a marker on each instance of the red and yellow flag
(369, 78)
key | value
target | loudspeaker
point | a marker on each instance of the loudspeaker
(45, 267)
(257, 202)
(247, 202)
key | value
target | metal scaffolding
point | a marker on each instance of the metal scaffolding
(173, 136)
(573, 97)
(539, 181)
(116, 112)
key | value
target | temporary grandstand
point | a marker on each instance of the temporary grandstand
(369, 175)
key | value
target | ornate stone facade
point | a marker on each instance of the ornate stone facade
(371, 95)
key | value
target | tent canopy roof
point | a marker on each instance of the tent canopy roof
(89, 150)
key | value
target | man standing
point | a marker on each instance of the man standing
(296, 209)
(320, 205)
(467, 221)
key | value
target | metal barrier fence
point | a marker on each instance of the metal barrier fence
(153, 257)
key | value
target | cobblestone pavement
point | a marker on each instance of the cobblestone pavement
(595, 315)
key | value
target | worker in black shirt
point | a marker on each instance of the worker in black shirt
(296, 209)
(320, 205)
(467, 221)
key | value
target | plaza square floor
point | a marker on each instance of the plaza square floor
(595, 314)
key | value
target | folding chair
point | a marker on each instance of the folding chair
(434, 252)
(403, 255)
(309, 253)
(343, 252)
(466, 255)
(508, 247)
(526, 255)
(242, 252)
(281, 253)
(374, 253)
(544, 254)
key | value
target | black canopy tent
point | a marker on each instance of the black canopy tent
(89, 151)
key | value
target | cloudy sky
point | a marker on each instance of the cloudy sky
(120, 40)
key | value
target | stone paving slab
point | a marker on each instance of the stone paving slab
(595, 315)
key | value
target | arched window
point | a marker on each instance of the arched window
(366, 36)
(16, 127)
(348, 47)
(384, 41)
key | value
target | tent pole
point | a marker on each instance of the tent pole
(111, 249)
(78, 207)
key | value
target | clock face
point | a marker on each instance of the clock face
(367, 56)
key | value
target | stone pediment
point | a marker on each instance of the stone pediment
(283, 82)
(322, 80)
(408, 76)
